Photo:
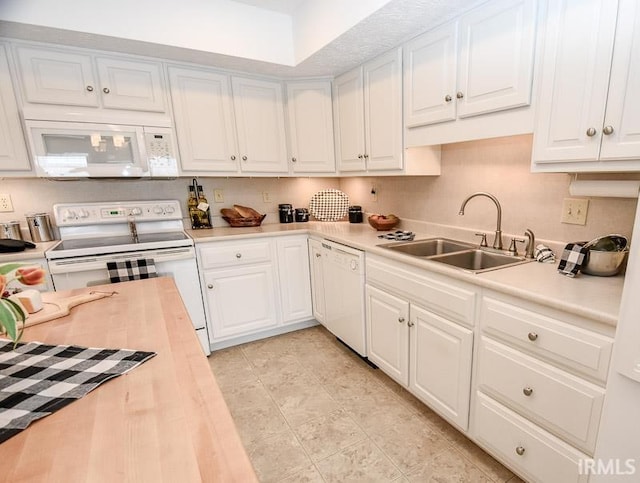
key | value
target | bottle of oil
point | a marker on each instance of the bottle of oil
(204, 209)
(194, 212)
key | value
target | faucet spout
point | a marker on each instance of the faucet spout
(497, 241)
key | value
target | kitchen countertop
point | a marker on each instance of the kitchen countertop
(28, 253)
(166, 420)
(596, 298)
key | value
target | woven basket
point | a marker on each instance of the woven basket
(239, 222)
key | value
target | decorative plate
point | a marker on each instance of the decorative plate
(329, 205)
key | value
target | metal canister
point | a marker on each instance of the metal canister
(302, 215)
(355, 214)
(40, 227)
(10, 229)
(285, 210)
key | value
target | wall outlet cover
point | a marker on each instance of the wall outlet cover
(6, 205)
(574, 211)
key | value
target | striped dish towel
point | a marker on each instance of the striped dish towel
(544, 254)
(135, 269)
(572, 259)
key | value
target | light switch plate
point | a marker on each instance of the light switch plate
(6, 205)
(574, 211)
(266, 197)
(218, 196)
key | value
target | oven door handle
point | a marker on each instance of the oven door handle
(83, 264)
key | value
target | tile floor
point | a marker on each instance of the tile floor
(309, 410)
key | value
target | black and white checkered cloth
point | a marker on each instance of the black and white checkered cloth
(572, 259)
(399, 235)
(329, 205)
(131, 270)
(37, 379)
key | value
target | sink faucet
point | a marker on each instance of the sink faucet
(497, 241)
(133, 230)
(531, 242)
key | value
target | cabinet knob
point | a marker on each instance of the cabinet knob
(520, 450)
(233, 157)
(527, 391)
(244, 158)
(318, 255)
(238, 255)
(591, 132)
(293, 160)
(210, 286)
(359, 156)
(106, 90)
(447, 98)
(532, 336)
(366, 156)
(401, 320)
(459, 95)
(411, 324)
(608, 130)
(90, 88)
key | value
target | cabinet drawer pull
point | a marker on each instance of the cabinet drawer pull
(532, 336)
(359, 156)
(401, 320)
(233, 157)
(591, 132)
(318, 255)
(90, 88)
(520, 450)
(447, 98)
(106, 90)
(459, 95)
(527, 391)
(411, 324)
(293, 160)
(210, 286)
(238, 255)
(244, 158)
(608, 130)
(366, 156)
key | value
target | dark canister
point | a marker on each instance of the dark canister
(285, 211)
(355, 214)
(302, 215)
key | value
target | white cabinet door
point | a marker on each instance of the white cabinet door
(131, 85)
(316, 260)
(388, 333)
(430, 77)
(311, 127)
(203, 112)
(14, 160)
(623, 102)
(295, 278)
(259, 114)
(240, 300)
(383, 111)
(575, 76)
(495, 63)
(348, 107)
(57, 76)
(440, 364)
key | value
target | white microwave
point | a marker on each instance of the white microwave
(83, 150)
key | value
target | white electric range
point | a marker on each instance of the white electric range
(93, 234)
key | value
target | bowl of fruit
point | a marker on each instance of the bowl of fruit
(383, 222)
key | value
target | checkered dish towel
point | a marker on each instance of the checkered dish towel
(135, 269)
(572, 259)
(37, 379)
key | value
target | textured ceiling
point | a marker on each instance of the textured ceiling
(393, 24)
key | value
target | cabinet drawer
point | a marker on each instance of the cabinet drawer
(560, 402)
(577, 349)
(225, 254)
(544, 457)
(450, 298)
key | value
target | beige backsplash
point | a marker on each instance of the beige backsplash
(498, 166)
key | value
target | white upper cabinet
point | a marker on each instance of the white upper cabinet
(310, 122)
(589, 108)
(203, 112)
(475, 66)
(259, 111)
(368, 115)
(65, 77)
(14, 160)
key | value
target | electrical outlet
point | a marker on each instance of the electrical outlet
(218, 196)
(5, 203)
(266, 197)
(574, 211)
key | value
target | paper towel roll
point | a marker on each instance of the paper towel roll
(607, 189)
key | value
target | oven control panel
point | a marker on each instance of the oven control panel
(75, 214)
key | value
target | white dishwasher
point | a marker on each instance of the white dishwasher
(343, 274)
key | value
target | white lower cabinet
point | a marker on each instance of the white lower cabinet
(316, 262)
(539, 387)
(254, 288)
(419, 332)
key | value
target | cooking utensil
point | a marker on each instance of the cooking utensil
(54, 309)
(604, 263)
(608, 243)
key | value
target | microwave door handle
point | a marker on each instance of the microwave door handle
(142, 149)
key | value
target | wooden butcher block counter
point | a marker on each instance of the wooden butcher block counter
(165, 420)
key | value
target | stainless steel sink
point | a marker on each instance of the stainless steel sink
(429, 247)
(479, 260)
(462, 255)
